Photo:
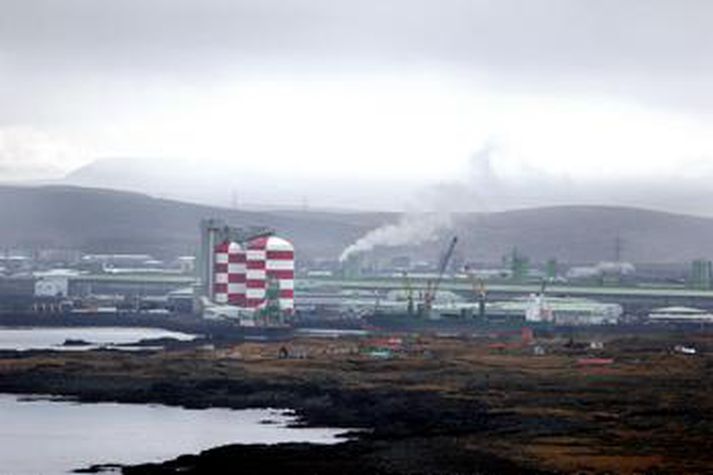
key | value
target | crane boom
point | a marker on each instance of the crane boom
(432, 290)
(444, 263)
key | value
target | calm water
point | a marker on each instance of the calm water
(37, 338)
(42, 437)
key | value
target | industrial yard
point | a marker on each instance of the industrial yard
(253, 278)
(437, 367)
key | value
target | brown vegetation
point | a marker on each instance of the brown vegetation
(649, 411)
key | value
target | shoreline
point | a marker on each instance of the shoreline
(442, 406)
(434, 425)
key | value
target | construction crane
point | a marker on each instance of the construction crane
(432, 288)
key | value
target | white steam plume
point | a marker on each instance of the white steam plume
(411, 229)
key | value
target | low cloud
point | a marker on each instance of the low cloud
(31, 154)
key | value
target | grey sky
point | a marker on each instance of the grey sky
(643, 35)
(176, 79)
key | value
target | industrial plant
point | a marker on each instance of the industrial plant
(247, 275)
(244, 316)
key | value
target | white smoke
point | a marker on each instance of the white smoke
(611, 268)
(411, 229)
(622, 268)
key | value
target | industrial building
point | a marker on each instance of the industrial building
(246, 275)
(680, 315)
(245, 271)
(569, 311)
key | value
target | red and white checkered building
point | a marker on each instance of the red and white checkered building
(229, 287)
(242, 275)
(268, 258)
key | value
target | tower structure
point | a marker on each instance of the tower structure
(229, 286)
(270, 257)
(235, 265)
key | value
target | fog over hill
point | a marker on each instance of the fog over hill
(97, 220)
(235, 185)
(485, 185)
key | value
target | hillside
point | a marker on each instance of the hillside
(588, 234)
(96, 220)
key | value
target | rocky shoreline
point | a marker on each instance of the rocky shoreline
(403, 430)
(444, 407)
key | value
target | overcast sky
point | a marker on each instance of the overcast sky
(583, 98)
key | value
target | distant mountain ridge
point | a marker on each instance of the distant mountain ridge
(99, 220)
(590, 234)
